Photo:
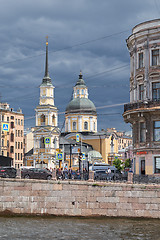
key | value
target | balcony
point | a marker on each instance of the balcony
(144, 104)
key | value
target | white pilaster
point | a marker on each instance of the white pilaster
(91, 123)
(79, 123)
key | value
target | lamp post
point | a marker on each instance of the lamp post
(70, 164)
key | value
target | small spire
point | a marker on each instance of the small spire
(80, 75)
(46, 67)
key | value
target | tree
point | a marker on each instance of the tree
(127, 163)
(118, 164)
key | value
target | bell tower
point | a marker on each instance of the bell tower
(46, 132)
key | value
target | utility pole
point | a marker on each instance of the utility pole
(63, 157)
(1, 132)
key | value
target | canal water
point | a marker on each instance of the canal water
(17, 228)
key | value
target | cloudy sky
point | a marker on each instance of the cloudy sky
(87, 35)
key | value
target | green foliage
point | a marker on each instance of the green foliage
(118, 164)
(127, 163)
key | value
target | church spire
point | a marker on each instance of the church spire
(46, 67)
(46, 80)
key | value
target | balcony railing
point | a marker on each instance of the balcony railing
(144, 104)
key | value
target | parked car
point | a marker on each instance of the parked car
(36, 173)
(104, 175)
(101, 175)
(8, 172)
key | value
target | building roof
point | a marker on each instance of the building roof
(81, 105)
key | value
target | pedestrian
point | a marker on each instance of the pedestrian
(70, 173)
(109, 174)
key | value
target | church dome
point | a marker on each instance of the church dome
(81, 105)
(94, 154)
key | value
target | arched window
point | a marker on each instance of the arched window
(78, 92)
(82, 91)
(85, 125)
(42, 145)
(43, 119)
(53, 120)
(74, 125)
(12, 137)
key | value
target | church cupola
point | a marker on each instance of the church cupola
(80, 89)
(80, 114)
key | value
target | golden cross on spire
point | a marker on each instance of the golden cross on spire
(47, 40)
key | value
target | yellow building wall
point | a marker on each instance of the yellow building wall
(149, 170)
(103, 146)
(83, 120)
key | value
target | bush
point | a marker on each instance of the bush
(118, 164)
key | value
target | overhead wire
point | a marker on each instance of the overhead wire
(69, 47)
(65, 48)
(100, 107)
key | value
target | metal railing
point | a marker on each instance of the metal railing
(143, 104)
(146, 179)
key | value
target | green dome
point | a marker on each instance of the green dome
(94, 154)
(81, 105)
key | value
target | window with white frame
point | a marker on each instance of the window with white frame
(155, 57)
(156, 131)
(157, 164)
(156, 91)
(140, 60)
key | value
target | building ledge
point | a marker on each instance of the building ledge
(154, 104)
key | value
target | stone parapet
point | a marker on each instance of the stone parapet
(79, 198)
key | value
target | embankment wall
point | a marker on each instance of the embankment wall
(79, 198)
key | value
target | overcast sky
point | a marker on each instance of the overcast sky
(87, 35)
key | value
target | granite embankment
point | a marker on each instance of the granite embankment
(79, 198)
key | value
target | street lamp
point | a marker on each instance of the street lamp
(70, 164)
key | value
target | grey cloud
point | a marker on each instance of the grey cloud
(24, 25)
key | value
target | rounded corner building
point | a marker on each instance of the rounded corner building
(80, 114)
(143, 111)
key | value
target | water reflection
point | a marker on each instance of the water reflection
(78, 228)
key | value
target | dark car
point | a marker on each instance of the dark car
(101, 175)
(8, 172)
(104, 175)
(36, 173)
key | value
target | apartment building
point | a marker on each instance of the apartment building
(11, 134)
(143, 111)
